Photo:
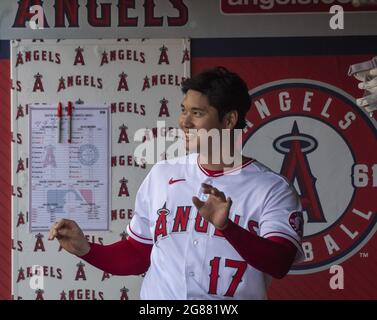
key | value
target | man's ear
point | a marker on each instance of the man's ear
(230, 119)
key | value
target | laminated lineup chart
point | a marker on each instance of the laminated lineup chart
(69, 180)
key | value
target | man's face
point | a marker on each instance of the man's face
(196, 113)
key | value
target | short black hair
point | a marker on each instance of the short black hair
(225, 90)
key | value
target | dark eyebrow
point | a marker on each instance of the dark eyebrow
(194, 108)
(198, 109)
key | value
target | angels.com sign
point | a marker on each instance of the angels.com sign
(293, 6)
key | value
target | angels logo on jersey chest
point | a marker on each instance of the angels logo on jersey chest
(170, 222)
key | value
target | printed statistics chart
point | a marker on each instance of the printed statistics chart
(69, 166)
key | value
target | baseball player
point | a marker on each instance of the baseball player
(204, 229)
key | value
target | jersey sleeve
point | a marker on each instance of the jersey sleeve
(138, 228)
(282, 215)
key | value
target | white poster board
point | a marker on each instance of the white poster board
(139, 80)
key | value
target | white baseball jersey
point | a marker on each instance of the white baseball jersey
(190, 259)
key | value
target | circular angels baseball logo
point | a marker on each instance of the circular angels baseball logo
(314, 134)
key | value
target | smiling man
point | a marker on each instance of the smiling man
(203, 131)
(202, 228)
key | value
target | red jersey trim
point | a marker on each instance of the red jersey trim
(287, 236)
(137, 236)
(219, 173)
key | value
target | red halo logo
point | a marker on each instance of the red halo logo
(315, 135)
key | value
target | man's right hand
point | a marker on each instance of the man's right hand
(70, 237)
